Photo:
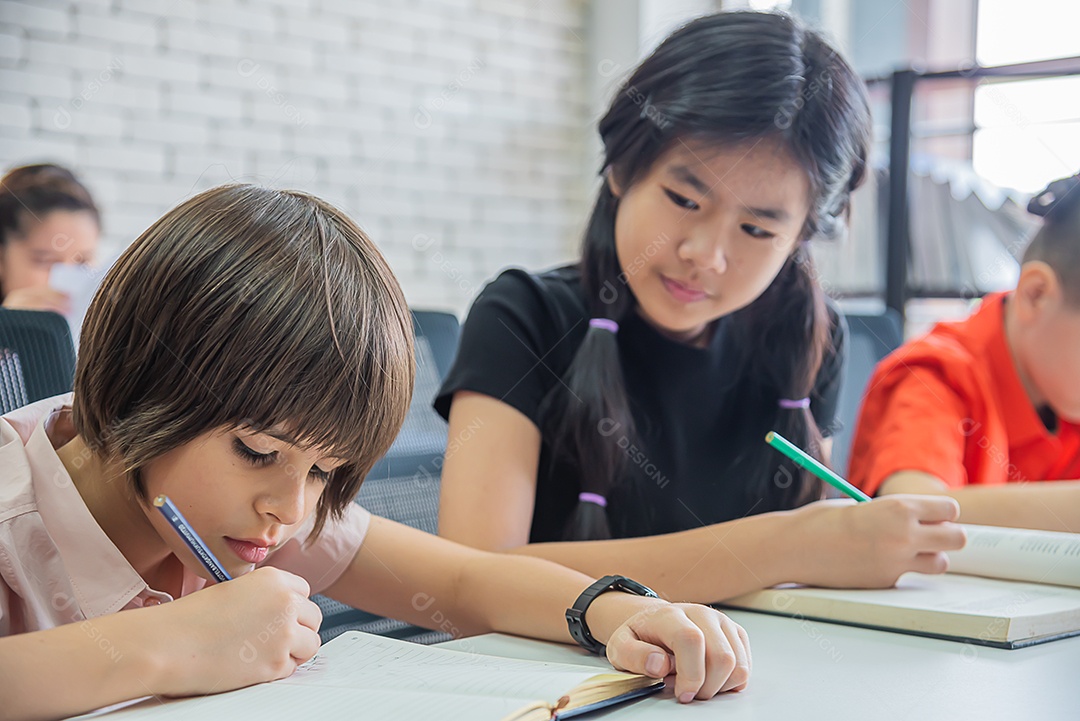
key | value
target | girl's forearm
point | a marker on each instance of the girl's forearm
(703, 565)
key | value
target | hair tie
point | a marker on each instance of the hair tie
(593, 498)
(604, 324)
(792, 405)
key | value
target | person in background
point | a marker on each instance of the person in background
(616, 409)
(987, 410)
(47, 216)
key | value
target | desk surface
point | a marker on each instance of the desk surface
(808, 671)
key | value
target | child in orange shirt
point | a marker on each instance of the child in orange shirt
(976, 409)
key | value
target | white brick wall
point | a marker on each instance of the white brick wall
(454, 131)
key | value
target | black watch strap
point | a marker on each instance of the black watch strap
(575, 616)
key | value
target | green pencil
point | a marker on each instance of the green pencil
(800, 458)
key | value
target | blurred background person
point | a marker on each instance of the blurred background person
(47, 217)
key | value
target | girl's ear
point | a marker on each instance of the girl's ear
(613, 185)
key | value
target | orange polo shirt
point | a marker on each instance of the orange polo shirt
(951, 404)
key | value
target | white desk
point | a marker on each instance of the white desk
(804, 671)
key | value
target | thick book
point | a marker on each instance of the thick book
(358, 675)
(1007, 588)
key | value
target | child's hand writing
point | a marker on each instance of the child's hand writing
(870, 545)
(258, 627)
(707, 651)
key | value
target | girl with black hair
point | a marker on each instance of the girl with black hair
(621, 403)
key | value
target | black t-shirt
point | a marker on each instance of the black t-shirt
(517, 343)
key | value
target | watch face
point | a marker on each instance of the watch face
(575, 617)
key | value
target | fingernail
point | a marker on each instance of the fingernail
(654, 664)
(686, 697)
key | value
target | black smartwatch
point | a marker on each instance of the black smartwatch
(575, 617)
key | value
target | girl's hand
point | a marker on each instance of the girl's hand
(707, 651)
(38, 297)
(870, 545)
(258, 627)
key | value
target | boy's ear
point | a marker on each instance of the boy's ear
(1038, 289)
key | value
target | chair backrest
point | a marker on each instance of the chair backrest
(871, 338)
(404, 485)
(37, 357)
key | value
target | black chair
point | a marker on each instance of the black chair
(37, 357)
(871, 338)
(404, 485)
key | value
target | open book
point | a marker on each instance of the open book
(1019, 588)
(357, 675)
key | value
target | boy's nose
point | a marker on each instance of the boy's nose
(286, 503)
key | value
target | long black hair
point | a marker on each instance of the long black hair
(723, 79)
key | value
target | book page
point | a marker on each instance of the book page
(289, 703)
(359, 676)
(1019, 554)
(952, 605)
(946, 594)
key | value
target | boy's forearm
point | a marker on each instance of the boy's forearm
(1045, 505)
(75, 668)
(1049, 506)
(529, 597)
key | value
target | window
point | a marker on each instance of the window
(1027, 132)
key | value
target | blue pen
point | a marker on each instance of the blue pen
(176, 519)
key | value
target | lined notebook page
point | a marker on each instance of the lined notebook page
(1019, 554)
(359, 676)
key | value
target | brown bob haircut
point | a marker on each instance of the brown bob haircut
(248, 307)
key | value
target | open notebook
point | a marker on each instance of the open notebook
(1018, 588)
(357, 675)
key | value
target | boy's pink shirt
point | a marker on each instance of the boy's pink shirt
(56, 564)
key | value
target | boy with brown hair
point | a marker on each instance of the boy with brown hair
(977, 409)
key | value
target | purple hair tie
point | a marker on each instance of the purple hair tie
(604, 324)
(593, 498)
(792, 405)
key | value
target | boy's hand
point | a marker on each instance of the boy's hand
(870, 545)
(258, 627)
(707, 651)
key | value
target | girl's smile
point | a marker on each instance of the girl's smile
(683, 292)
